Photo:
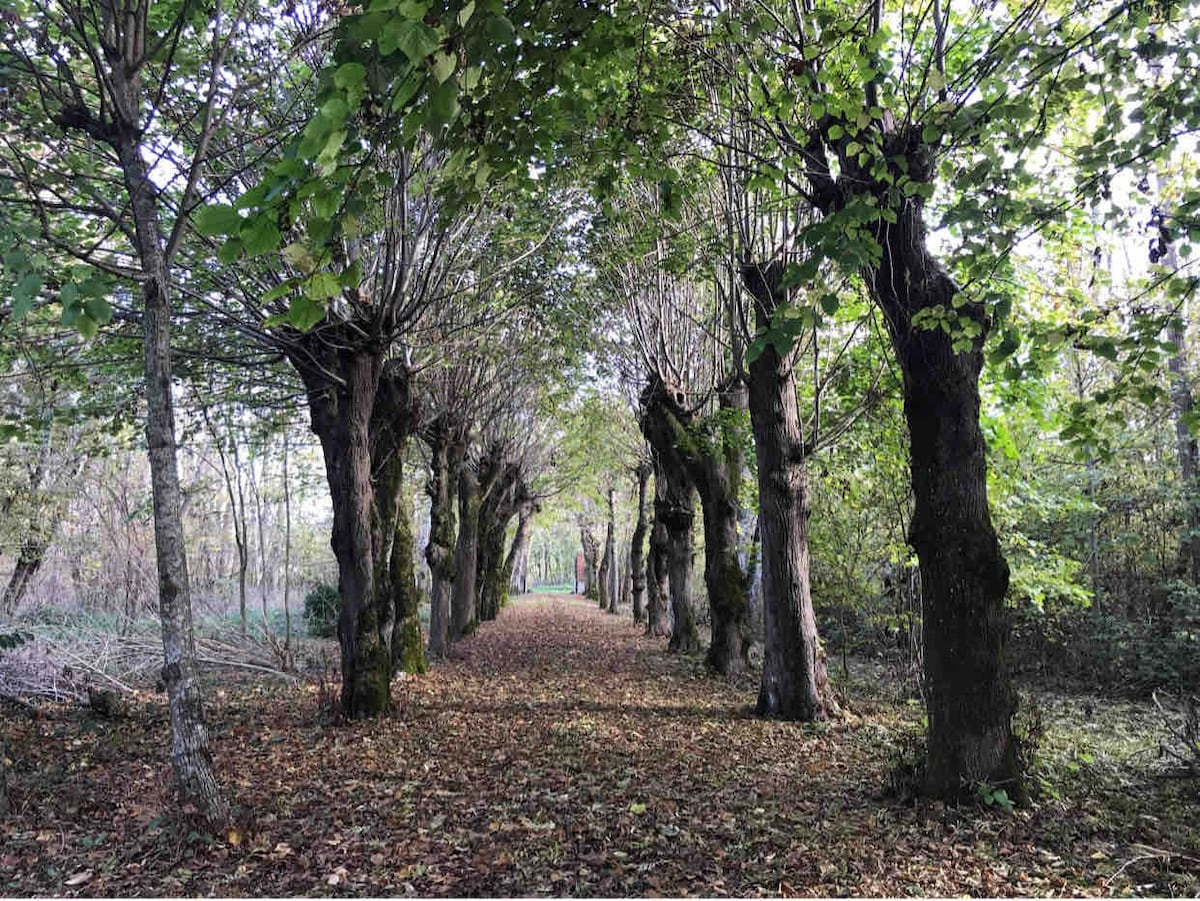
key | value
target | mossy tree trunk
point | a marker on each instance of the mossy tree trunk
(393, 420)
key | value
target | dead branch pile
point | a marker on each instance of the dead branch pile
(60, 662)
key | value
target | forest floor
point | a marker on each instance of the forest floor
(560, 752)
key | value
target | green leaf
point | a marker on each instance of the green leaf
(260, 235)
(830, 303)
(98, 310)
(24, 294)
(230, 251)
(304, 312)
(500, 29)
(217, 219)
(323, 286)
(349, 75)
(443, 66)
(464, 14)
(443, 103)
(415, 39)
(299, 257)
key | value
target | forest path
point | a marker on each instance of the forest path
(557, 752)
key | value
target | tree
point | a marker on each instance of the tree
(90, 71)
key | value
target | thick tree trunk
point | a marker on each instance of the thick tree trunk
(795, 684)
(703, 460)
(3, 780)
(408, 647)
(591, 563)
(637, 546)
(439, 552)
(392, 420)
(464, 612)
(964, 576)
(190, 754)
(657, 568)
(676, 513)
(341, 411)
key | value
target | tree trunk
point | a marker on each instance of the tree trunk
(795, 685)
(445, 456)
(612, 582)
(287, 556)
(518, 553)
(666, 433)
(408, 647)
(591, 564)
(657, 568)
(393, 415)
(464, 612)
(964, 576)
(637, 546)
(190, 754)
(342, 382)
(3, 780)
(29, 561)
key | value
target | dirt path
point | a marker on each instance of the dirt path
(558, 752)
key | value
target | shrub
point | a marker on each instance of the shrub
(321, 606)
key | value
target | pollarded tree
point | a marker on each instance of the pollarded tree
(877, 111)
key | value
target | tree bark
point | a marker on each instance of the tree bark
(518, 553)
(191, 757)
(795, 684)
(445, 455)
(676, 512)
(612, 580)
(591, 564)
(964, 576)
(637, 546)
(393, 418)
(464, 612)
(657, 569)
(679, 459)
(29, 561)
(342, 382)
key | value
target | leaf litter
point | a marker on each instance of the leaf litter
(558, 752)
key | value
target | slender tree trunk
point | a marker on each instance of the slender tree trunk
(964, 576)
(190, 754)
(637, 546)
(439, 552)
(341, 417)
(795, 684)
(464, 611)
(3, 780)
(287, 555)
(610, 554)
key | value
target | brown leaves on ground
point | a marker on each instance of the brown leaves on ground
(559, 752)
